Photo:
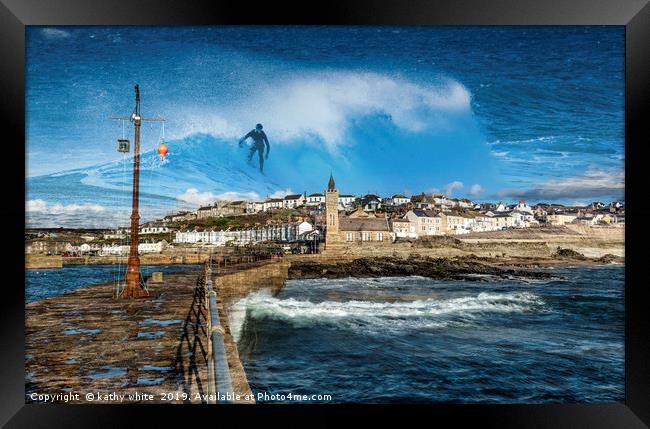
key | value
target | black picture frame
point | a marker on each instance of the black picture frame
(15, 15)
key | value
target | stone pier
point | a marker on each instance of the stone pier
(233, 284)
(86, 341)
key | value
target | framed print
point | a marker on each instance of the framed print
(375, 210)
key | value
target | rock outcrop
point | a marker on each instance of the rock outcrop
(388, 266)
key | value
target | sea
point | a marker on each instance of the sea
(418, 340)
(46, 283)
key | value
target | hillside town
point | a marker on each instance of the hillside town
(319, 221)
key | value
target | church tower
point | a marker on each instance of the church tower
(332, 213)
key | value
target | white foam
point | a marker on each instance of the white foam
(323, 105)
(381, 315)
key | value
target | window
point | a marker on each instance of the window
(380, 236)
(349, 236)
(365, 236)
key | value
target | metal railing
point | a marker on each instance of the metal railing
(219, 381)
(223, 261)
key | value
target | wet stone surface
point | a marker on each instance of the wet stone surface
(86, 341)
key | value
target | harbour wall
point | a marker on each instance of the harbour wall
(43, 261)
(234, 284)
(57, 261)
(527, 243)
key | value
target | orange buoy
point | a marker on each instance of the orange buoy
(162, 150)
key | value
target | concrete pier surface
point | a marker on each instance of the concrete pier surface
(87, 342)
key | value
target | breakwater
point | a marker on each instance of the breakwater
(57, 261)
(87, 342)
(232, 284)
(149, 350)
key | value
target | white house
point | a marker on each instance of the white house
(124, 249)
(423, 201)
(425, 222)
(87, 248)
(399, 199)
(115, 235)
(523, 219)
(154, 228)
(456, 202)
(304, 227)
(370, 202)
(483, 223)
(114, 249)
(253, 207)
(346, 202)
(402, 228)
(273, 204)
(561, 218)
(523, 207)
(152, 247)
(293, 201)
(285, 232)
(501, 207)
(502, 220)
(315, 199)
(457, 223)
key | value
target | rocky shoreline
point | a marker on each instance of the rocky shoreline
(458, 268)
(389, 266)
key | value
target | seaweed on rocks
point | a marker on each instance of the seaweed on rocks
(391, 266)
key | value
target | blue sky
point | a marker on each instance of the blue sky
(489, 113)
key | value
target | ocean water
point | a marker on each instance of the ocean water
(414, 339)
(41, 284)
(512, 109)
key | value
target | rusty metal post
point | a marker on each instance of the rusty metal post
(134, 287)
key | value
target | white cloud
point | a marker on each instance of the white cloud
(41, 215)
(196, 198)
(323, 106)
(281, 193)
(236, 196)
(476, 189)
(35, 206)
(451, 187)
(592, 183)
(41, 206)
(55, 33)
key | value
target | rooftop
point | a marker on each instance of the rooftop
(424, 213)
(363, 224)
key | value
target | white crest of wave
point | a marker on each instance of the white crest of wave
(322, 106)
(420, 313)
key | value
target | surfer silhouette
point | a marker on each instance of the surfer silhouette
(259, 139)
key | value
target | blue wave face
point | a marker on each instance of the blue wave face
(534, 112)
